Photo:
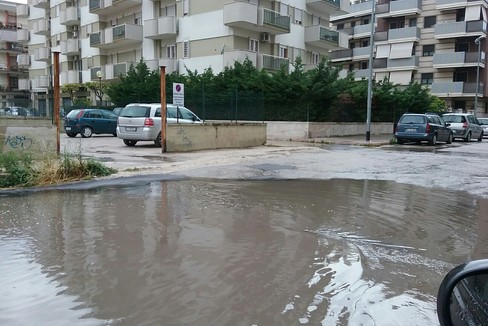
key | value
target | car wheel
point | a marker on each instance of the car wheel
(157, 142)
(480, 138)
(130, 143)
(433, 141)
(468, 137)
(115, 134)
(71, 134)
(449, 139)
(400, 141)
(86, 132)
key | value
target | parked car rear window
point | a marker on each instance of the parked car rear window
(73, 113)
(454, 118)
(135, 112)
(412, 119)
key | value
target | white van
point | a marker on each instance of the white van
(142, 122)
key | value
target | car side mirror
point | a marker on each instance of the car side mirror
(463, 295)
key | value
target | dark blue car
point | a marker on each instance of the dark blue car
(414, 127)
(87, 122)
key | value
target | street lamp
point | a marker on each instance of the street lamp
(100, 75)
(478, 42)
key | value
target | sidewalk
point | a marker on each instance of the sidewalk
(356, 140)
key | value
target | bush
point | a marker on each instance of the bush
(16, 169)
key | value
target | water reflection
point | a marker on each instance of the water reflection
(233, 253)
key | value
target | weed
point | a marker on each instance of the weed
(16, 169)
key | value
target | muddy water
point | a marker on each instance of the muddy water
(333, 252)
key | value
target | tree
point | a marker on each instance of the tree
(139, 85)
(71, 89)
(97, 88)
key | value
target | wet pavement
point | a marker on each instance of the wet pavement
(230, 252)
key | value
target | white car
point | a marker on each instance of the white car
(142, 122)
(484, 125)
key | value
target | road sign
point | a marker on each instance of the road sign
(178, 94)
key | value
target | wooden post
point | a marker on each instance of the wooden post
(56, 101)
(163, 109)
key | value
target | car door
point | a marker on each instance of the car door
(475, 126)
(444, 131)
(93, 118)
(109, 122)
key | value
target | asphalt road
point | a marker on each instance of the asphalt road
(459, 166)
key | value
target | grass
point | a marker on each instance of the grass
(24, 169)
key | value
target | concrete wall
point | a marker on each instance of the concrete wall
(31, 134)
(277, 130)
(184, 137)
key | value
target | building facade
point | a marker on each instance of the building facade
(98, 40)
(439, 43)
(10, 49)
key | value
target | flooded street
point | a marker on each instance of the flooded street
(230, 252)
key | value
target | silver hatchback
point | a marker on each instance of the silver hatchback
(464, 126)
(142, 122)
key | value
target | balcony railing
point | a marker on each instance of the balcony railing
(69, 16)
(95, 38)
(276, 19)
(398, 8)
(459, 29)
(160, 28)
(270, 62)
(458, 59)
(455, 88)
(23, 35)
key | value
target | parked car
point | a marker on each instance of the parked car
(484, 124)
(142, 122)
(87, 122)
(413, 127)
(464, 126)
(462, 298)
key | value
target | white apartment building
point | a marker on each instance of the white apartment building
(108, 36)
(10, 49)
(432, 42)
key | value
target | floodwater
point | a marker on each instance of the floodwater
(284, 252)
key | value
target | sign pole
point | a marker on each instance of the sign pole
(56, 101)
(163, 109)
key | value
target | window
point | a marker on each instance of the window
(427, 79)
(364, 65)
(283, 51)
(284, 9)
(365, 21)
(397, 24)
(171, 51)
(353, 24)
(351, 66)
(298, 16)
(364, 43)
(460, 15)
(412, 22)
(253, 45)
(428, 50)
(138, 19)
(186, 49)
(461, 76)
(315, 58)
(340, 26)
(462, 47)
(430, 21)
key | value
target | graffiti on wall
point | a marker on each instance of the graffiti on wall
(18, 142)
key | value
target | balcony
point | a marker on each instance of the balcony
(399, 8)
(8, 47)
(110, 7)
(22, 10)
(69, 17)
(41, 82)
(387, 64)
(113, 71)
(251, 17)
(93, 72)
(41, 27)
(324, 38)
(23, 60)
(356, 9)
(9, 35)
(24, 84)
(231, 56)
(70, 47)
(112, 37)
(23, 35)
(43, 4)
(458, 59)
(42, 54)
(361, 31)
(13, 69)
(411, 34)
(161, 28)
(96, 39)
(451, 89)
(459, 29)
(451, 4)
(324, 5)
(270, 62)
(70, 77)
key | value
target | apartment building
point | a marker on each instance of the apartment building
(98, 40)
(433, 42)
(10, 70)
